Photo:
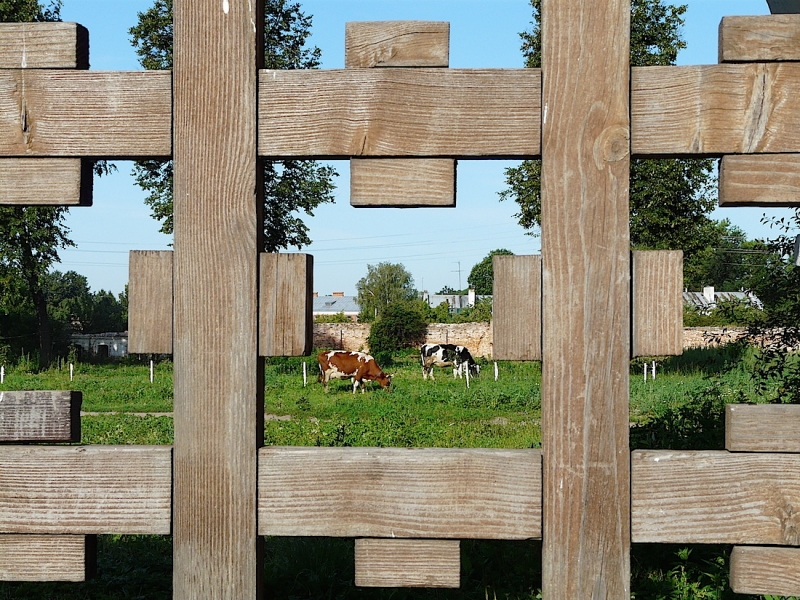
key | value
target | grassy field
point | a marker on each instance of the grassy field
(681, 408)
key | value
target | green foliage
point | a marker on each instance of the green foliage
(334, 318)
(21, 11)
(734, 313)
(291, 187)
(400, 325)
(384, 284)
(481, 277)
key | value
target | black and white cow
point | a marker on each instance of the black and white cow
(447, 355)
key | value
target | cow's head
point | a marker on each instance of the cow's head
(385, 381)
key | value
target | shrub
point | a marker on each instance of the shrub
(334, 318)
(400, 326)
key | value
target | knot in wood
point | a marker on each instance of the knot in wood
(612, 145)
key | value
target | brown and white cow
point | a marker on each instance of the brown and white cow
(359, 367)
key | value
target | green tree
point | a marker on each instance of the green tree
(481, 277)
(290, 186)
(401, 325)
(671, 198)
(384, 284)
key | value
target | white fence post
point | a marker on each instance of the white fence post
(151, 370)
(305, 374)
(71, 371)
(2, 373)
(495, 371)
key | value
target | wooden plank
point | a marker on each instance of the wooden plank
(408, 563)
(657, 285)
(286, 321)
(46, 182)
(715, 497)
(762, 427)
(40, 416)
(400, 112)
(85, 489)
(586, 299)
(397, 44)
(150, 299)
(517, 307)
(218, 236)
(768, 180)
(715, 109)
(759, 38)
(765, 570)
(399, 492)
(44, 46)
(403, 182)
(85, 113)
(47, 557)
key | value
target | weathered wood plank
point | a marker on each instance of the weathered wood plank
(45, 182)
(657, 287)
(408, 563)
(759, 38)
(85, 113)
(47, 557)
(403, 182)
(399, 492)
(397, 44)
(768, 180)
(517, 307)
(400, 112)
(150, 302)
(715, 109)
(762, 427)
(715, 497)
(40, 416)
(765, 570)
(85, 489)
(286, 322)
(44, 46)
(218, 236)
(586, 299)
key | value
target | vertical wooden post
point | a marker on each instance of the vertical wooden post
(218, 417)
(586, 311)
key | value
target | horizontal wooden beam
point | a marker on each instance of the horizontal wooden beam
(408, 563)
(517, 307)
(397, 44)
(762, 427)
(765, 570)
(715, 497)
(400, 493)
(285, 308)
(85, 489)
(47, 557)
(402, 182)
(715, 110)
(150, 301)
(40, 416)
(400, 112)
(767, 180)
(46, 181)
(759, 38)
(657, 297)
(85, 113)
(44, 46)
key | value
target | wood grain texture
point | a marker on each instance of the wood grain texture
(716, 109)
(586, 299)
(715, 497)
(408, 563)
(150, 302)
(61, 113)
(768, 180)
(217, 188)
(657, 285)
(286, 322)
(765, 570)
(762, 427)
(517, 307)
(40, 416)
(44, 46)
(85, 489)
(397, 44)
(399, 492)
(402, 182)
(400, 112)
(47, 557)
(45, 182)
(759, 38)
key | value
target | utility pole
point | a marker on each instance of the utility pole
(459, 274)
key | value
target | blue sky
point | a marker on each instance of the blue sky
(438, 246)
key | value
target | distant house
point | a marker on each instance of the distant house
(457, 302)
(336, 303)
(707, 300)
(101, 345)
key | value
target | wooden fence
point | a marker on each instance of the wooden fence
(402, 117)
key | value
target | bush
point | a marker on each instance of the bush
(401, 325)
(334, 318)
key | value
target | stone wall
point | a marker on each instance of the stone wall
(702, 337)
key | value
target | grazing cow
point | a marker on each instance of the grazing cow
(447, 355)
(359, 367)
